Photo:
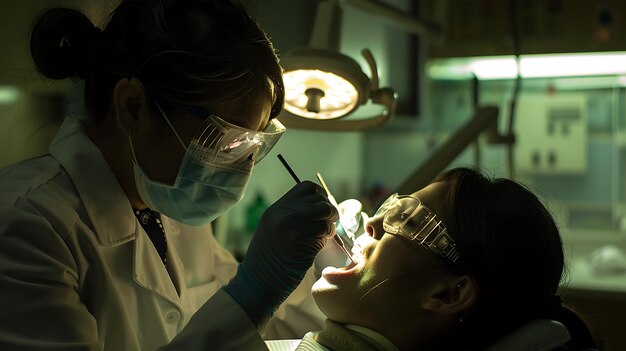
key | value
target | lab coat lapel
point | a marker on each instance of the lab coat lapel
(174, 264)
(149, 271)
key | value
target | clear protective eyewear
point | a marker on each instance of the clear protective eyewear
(218, 142)
(407, 216)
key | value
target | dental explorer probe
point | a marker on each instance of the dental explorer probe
(332, 200)
(336, 238)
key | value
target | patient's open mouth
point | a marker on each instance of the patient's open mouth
(349, 266)
(352, 268)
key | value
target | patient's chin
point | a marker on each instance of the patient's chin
(332, 301)
(339, 310)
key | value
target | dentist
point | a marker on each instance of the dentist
(106, 242)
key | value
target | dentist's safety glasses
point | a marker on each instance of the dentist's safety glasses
(221, 143)
(406, 216)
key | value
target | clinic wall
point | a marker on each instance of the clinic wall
(32, 107)
(598, 193)
(28, 124)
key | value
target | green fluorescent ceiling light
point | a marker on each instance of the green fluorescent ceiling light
(530, 66)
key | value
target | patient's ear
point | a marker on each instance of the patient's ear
(452, 296)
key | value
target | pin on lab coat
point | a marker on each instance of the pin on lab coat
(78, 272)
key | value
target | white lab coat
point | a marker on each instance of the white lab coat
(78, 272)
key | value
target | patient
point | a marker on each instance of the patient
(491, 261)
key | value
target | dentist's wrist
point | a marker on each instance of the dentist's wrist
(248, 294)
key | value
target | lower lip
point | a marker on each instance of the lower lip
(333, 273)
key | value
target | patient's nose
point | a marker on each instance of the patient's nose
(362, 244)
(374, 227)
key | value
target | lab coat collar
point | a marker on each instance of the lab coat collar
(104, 199)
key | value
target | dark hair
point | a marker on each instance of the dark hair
(185, 52)
(510, 245)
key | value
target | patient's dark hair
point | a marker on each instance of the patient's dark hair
(510, 245)
(203, 53)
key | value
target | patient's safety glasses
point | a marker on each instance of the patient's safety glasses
(218, 142)
(408, 217)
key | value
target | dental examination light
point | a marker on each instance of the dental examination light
(323, 86)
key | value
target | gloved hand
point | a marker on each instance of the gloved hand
(351, 225)
(290, 234)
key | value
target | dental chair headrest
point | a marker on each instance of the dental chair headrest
(538, 335)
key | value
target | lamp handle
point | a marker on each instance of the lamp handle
(367, 55)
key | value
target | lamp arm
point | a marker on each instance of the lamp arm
(326, 26)
(484, 119)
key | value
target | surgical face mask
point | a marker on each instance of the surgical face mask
(408, 217)
(213, 174)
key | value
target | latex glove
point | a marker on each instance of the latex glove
(351, 225)
(290, 234)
